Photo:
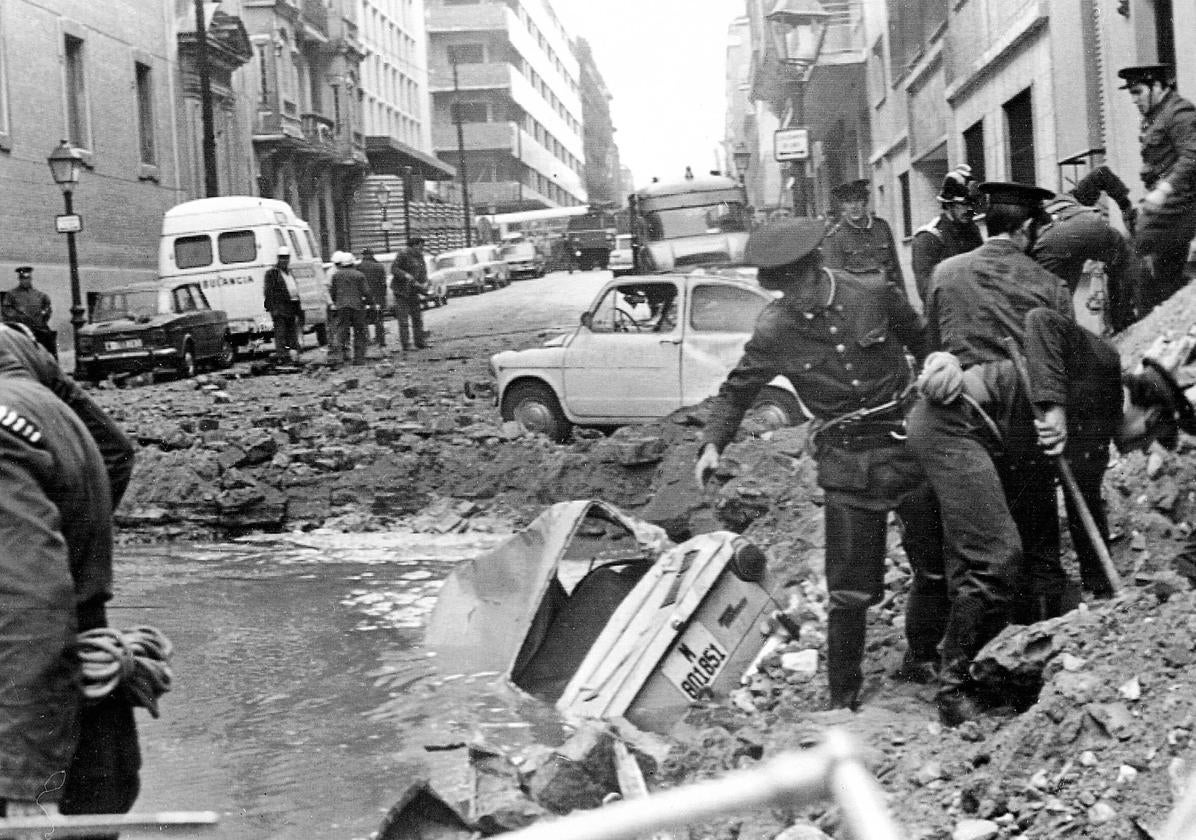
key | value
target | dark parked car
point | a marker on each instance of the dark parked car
(149, 326)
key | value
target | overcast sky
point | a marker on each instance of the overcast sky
(664, 63)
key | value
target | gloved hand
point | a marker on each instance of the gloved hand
(1052, 430)
(941, 380)
(707, 463)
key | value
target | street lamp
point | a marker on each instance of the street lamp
(65, 163)
(742, 158)
(407, 175)
(797, 29)
(382, 193)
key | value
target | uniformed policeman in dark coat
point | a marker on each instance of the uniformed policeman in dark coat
(952, 232)
(841, 339)
(969, 424)
(1167, 214)
(859, 241)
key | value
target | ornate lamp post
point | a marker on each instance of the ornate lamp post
(797, 28)
(382, 193)
(741, 157)
(65, 163)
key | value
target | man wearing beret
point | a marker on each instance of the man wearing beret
(968, 422)
(841, 340)
(953, 232)
(1078, 231)
(1166, 220)
(859, 241)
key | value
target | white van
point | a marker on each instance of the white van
(226, 244)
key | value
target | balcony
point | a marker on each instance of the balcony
(475, 18)
(315, 13)
(489, 76)
(495, 136)
(319, 131)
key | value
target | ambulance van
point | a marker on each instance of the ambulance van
(226, 245)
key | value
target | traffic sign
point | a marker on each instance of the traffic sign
(68, 223)
(791, 144)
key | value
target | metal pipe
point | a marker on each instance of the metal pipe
(461, 155)
(211, 185)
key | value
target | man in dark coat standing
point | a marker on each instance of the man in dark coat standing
(861, 242)
(281, 294)
(1166, 220)
(375, 278)
(409, 279)
(952, 232)
(840, 339)
(351, 299)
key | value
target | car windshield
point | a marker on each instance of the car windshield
(135, 305)
(518, 248)
(697, 221)
(454, 260)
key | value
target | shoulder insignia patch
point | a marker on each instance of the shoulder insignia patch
(20, 426)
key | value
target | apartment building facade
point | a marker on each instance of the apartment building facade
(505, 70)
(598, 131)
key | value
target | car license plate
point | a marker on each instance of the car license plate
(695, 661)
(122, 344)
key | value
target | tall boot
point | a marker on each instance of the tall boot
(954, 700)
(961, 641)
(846, 629)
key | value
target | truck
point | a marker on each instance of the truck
(590, 238)
(687, 224)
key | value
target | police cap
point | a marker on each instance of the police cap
(24, 269)
(782, 242)
(1021, 195)
(852, 191)
(1182, 414)
(1146, 74)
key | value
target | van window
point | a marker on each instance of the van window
(193, 251)
(296, 248)
(282, 240)
(237, 246)
(311, 243)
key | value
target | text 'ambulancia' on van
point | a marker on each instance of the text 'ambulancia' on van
(226, 245)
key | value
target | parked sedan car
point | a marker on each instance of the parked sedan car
(644, 348)
(494, 267)
(460, 271)
(147, 326)
(621, 261)
(522, 256)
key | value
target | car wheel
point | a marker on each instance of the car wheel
(228, 353)
(777, 408)
(186, 363)
(534, 406)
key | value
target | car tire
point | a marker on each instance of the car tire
(777, 408)
(186, 364)
(228, 353)
(534, 406)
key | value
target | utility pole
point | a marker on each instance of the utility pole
(211, 186)
(461, 155)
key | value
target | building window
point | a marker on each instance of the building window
(1019, 118)
(466, 53)
(77, 128)
(145, 112)
(473, 112)
(973, 149)
(907, 215)
(913, 24)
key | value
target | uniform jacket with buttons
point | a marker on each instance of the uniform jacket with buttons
(55, 577)
(840, 342)
(864, 248)
(979, 298)
(936, 241)
(1168, 138)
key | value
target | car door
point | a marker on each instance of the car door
(626, 363)
(720, 320)
(208, 324)
(190, 319)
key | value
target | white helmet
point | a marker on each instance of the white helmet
(343, 259)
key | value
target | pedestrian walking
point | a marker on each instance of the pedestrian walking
(841, 340)
(60, 753)
(861, 242)
(952, 232)
(966, 428)
(409, 280)
(1166, 220)
(375, 279)
(281, 300)
(30, 306)
(351, 300)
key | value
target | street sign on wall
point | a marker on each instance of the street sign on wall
(791, 144)
(68, 223)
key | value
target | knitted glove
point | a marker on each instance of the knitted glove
(941, 380)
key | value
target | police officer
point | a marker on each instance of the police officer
(409, 279)
(55, 579)
(1167, 214)
(375, 278)
(969, 423)
(281, 299)
(351, 299)
(953, 232)
(1078, 232)
(841, 338)
(31, 307)
(859, 241)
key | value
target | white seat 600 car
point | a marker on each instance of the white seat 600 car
(644, 348)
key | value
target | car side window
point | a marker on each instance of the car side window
(183, 301)
(237, 246)
(635, 308)
(725, 308)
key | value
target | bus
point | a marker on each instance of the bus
(689, 223)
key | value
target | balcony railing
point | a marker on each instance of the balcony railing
(319, 131)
